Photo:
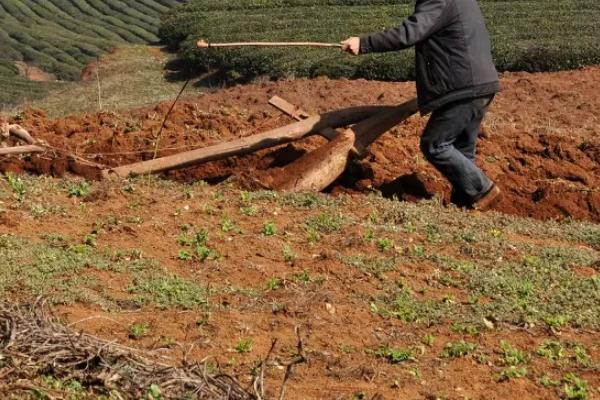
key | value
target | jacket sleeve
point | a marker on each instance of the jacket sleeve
(427, 18)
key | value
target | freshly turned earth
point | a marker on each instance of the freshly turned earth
(539, 141)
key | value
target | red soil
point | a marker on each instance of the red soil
(539, 142)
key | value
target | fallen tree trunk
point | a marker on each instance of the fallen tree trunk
(316, 170)
(21, 150)
(251, 144)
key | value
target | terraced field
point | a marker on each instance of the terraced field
(527, 35)
(61, 36)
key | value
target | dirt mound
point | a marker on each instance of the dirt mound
(539, 141)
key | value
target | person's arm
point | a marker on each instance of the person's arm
(428, 17)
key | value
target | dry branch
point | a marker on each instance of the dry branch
(31, 342)
(21, 150)
(251, 144)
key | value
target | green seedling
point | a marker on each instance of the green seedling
(384, 244)
(511, 356)
(288, 254)
(575, 388)
(458, 349)
(274, 284)
(394, 355)
(77, 189)
(428, 340)
(244, 345)
(184, 255)
(138, 331)
(17, 185)
(551, 350)
(269, 229)
(512, 372)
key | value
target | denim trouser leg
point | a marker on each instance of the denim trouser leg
(449, 143)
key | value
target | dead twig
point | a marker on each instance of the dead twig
(299, 359)
(39, 342)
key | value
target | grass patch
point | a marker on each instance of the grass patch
(168, 291)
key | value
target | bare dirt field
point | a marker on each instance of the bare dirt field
(393, 299)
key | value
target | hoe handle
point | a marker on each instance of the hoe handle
(203, 44)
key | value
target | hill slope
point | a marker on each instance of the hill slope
(62, 36)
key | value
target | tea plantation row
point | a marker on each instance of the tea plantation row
(61, 36)
(527, 35)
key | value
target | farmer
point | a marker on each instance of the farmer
(456, 82)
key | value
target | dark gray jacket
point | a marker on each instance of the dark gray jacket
(453, 52)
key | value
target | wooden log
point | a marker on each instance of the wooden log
(251, 144)
(21, 150)
(316, 170)
(299, 115)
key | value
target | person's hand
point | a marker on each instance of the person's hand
(351, 45)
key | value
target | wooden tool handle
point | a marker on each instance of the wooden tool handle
(203, 44)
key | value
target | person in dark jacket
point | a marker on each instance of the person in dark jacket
(456, 82)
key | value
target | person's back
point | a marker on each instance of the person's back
(456, 80)
(453, 55)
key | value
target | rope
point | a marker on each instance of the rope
(166, 117)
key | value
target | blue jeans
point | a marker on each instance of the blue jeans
(450, 144)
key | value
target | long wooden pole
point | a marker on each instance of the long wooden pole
(203, 44)
(250, 144)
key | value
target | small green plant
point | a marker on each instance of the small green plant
(184, 255)
(77, 189)
(394, 355)
(574, 387)
(418, 250)
(17, 185)
(458, 349)
(90, 240)
(249, 211)
(227, 225)
(511, 356)
(303, 277)
(153, 393)
(551, 350)
(138, 331)
(384, 244)
(465, 328)
(428, 340)
(556, 321)
(582, 357)
(546, 381)
(244, 345)
(512, 372)
(288, 254)
(325, 223)
(274, 284)
(269, 229)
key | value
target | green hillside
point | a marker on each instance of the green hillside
(61, 36)
(527, 35)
